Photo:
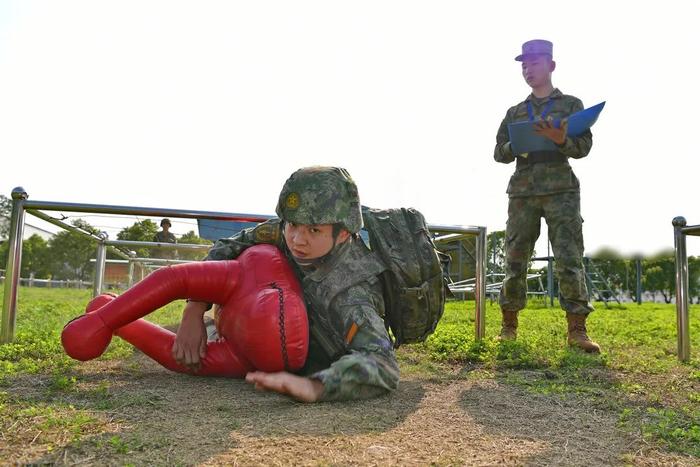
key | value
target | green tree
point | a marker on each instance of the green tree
(70, 253)
(659, 275)
(694, 279)
(192, 237)
(495, 246)
(613, 267)
(141, 231)
(35, 257)
(5, 213)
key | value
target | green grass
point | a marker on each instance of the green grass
(637, 376)
(41, 315)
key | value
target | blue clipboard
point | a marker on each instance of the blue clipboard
(524, 139)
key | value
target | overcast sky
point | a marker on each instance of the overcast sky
(211, 105)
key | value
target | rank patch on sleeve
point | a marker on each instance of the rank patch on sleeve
(267, 233)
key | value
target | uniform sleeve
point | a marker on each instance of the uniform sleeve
(577, 147)
(230, 248)
(370, 368)
(503, 152)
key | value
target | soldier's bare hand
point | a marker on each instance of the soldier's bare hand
(190, 343)
(300, 388)
(548, 130)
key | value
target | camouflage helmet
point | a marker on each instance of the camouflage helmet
(321, 195)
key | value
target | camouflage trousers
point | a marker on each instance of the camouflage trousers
(562, 212)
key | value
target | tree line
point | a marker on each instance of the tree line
(67, 256)
(658, 272)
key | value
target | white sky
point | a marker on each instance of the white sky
(211, 105)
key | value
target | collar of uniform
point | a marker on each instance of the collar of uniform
(323, 269)
(554, 95)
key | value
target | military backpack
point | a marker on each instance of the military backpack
(414, 283)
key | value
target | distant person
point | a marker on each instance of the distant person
(165, 236)
(544, 185)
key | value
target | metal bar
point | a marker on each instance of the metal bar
(681, 289)
(459, 229)
(638, 265)
(35, 206)
(144, 211)
(63, 225)
(131, 273)
(99, 268)
(14, 265)
(691, 230)
(163, 261)
(480, 290)
(550, 280)
(172, 246)
(452, 237)
(72, 228)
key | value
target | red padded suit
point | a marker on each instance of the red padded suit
(262, 322)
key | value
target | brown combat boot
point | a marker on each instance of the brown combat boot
(509, 326)
(577, 333)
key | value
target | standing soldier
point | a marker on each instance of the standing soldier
(544, 185)
(165, 236)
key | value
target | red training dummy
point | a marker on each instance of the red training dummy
(262, 323)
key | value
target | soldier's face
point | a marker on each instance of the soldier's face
(307, 241)
(537, 70)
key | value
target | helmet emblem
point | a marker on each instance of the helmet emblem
(292, 201)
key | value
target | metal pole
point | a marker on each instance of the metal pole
(480, 286)
(550, 280)
(143, 211)
(172, 246)
(132, 255)
(14, 265)
(638, 264)
(681, 289)
(100, 265)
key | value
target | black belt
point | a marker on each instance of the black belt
(538, 157)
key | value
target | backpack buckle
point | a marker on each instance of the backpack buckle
(419, 292)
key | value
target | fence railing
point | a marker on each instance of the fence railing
(680, 230)
(21, 205)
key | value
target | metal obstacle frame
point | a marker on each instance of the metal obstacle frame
(680, 231)
(21, 205)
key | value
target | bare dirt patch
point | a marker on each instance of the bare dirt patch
(149, 416)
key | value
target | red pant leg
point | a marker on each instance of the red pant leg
(88, 336)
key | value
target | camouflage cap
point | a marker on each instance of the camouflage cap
(535, 47)
(321, 195)
(165, 221)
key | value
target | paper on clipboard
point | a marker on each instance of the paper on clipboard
(524, 139)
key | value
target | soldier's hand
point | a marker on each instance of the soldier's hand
(548, 130)
(300, 388)
(190, 344)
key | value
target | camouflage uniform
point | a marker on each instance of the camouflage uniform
(349, 348)
(544, 185)
(162, 237)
